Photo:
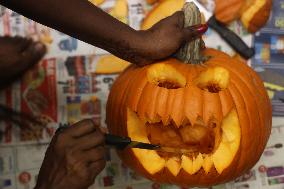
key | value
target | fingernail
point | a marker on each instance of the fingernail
(203, 28)
(200, 29)
(39, 47)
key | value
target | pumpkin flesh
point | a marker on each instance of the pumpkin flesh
(153, 162)
(255, 14)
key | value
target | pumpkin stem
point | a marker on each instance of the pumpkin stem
(191, 53)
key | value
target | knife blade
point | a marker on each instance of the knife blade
(125, 142)
(228, 35)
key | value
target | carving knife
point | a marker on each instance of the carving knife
(121, 143)
(126, 142)
(229, 36)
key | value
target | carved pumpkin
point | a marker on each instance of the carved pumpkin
(151, 2)
(214, 105)
(162, 10)
(229, 10)
(253, 13)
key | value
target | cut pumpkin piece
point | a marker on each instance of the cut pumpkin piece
(255, 14)
(120, 10)
(109, 64)
(162, 10)
(229, 10)
(152, 1)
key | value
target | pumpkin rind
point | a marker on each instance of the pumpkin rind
(228, 11)
(245, 92)
(255, 15)
(215, 105)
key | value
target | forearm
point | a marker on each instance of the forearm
(82, 20)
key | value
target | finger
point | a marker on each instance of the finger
(96, 167)
(94, 154)
(192, 32)
(81, 128)
(89, 141)
(33, 52)
(17, 63)
(24, 44)
(29, 57)
(21, 43)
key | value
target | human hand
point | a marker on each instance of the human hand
(165, 38)
(17, 55)
(74, 158)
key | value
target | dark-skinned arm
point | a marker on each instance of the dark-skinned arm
(84, 21)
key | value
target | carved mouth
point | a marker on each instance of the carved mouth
(216, 145)
(198, 137)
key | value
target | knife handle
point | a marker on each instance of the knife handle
(112, 140)
(117, 141)
(231, 38)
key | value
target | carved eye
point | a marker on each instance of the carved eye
(166, 76)
(213, 79)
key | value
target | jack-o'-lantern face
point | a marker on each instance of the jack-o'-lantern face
(180, 106)
(219, 109)
(215, 106)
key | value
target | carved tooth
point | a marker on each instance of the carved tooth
(174, 165)
(186, 164)
(222, 157)
(141, 116)
(207, 163)
(156, 119)
(166, 121)
(199, 121)
(185, 122)
(192, 166)
(197, 163)
(176, 123)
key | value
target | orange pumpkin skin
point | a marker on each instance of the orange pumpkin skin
(245, 93)
(254, 20)
(253, 13)
(228, 11)
(151, 1)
